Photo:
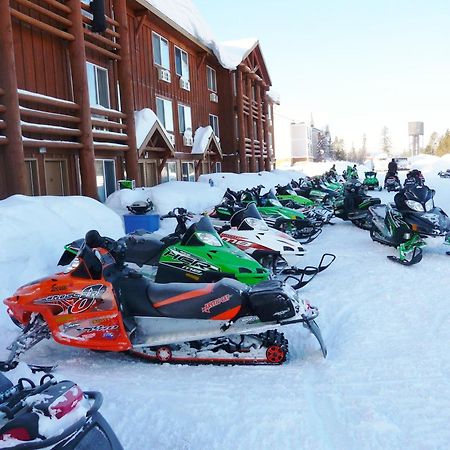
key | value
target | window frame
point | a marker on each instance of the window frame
(190, 175)
(163, 122)
(166, 166)
(216, 132)
(188, 65)
(183, 106)
(160, 38)
(97, 90)
(103, 160)
(208, 70)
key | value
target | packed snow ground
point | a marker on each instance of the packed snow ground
(384, 384)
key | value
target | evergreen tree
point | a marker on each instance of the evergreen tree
(432, 145)
(386, 144)
(443, 147)
(338, 149)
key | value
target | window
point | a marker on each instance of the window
(211, 79)
(164, 113)
(105, 172)
(218, 167)
(32, 177)
(161, 51)
(98, 85)
(187, 171)
(184, 118)
(169, 173)
(214, 122)
(181, 63)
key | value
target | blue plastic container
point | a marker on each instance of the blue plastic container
(148, 222)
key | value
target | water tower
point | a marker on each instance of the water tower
(415, 132)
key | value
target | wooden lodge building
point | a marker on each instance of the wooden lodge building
(91, 93)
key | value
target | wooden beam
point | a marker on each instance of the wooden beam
(100, 38)
(14, 160)
(41, 25)
(45, 12)
(101, 50)
(252, 167)
(126, 91)
(140, 25)
(48, 115)
(259, 99)
(241, 118)
(77, 55)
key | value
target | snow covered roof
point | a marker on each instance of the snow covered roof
(232, 53)
(203, 138)
(186, 18)
(147, 123)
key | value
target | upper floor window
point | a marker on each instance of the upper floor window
(164, 113)
(98, 85)
(214, 122)
(161, 51)
(184, 118)
(182, 63)
(211, 79)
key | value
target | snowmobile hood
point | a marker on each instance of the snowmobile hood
(419, 193)
(433, 223)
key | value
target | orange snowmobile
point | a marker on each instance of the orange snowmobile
(99, 303)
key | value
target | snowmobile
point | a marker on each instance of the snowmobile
(57, 415)
(275, 250)
(355, 204)
(316, 191)
(195, 254)
(289, 198)
(288, 220)
(404, 224)
(392, 183)
(371, 181)
(444, 174)
(100, 303)
(414, 177)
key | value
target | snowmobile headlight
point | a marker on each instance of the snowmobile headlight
(429, 205)
(256, 224)
(416, 206)
(407, 236)
(208, 239)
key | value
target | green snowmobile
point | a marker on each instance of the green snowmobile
(194, 254)
(371, 181)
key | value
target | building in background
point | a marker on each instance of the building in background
(93, 92)
(415, 132)
(309, 143)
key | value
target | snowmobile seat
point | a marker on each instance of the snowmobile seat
(196, 300)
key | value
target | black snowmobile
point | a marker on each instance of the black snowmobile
(355, 204)
(56, 415)
(404, 224)
(392, 183)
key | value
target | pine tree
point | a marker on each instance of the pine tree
(338, 149)
(443, 147)
(432, 145)
(386, 144)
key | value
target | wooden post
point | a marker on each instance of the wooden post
(251, 135)
(126, 90)
(260, 123)
(272, 153)
(13, 151)
(77, 56)
(266, 131)
(241, 120)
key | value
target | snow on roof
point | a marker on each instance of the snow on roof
(201, 139)
(232, 53)
(145, 120)
(274, 96)
(184, 14)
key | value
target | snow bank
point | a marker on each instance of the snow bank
(33, 231)
(196, 197)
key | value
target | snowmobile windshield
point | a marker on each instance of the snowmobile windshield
(202, 233)
(288, 190)
(370, 174)
(419, 198)
(248, 219)
(270, 199)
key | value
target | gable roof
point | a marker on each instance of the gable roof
(206, 141)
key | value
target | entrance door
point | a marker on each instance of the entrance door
(149, 175)
(55, 177)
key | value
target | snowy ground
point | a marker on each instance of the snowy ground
(384, 384)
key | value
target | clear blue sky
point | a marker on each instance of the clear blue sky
(357, 65)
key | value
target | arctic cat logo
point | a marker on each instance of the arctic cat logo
(236, 240)
(281, 313)
(207, 306)
(75, 302)
(188, 263)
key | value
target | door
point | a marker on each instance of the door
(149, 174)
(56, 177)
(32, 177)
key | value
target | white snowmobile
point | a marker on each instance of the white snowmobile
(273, 249)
